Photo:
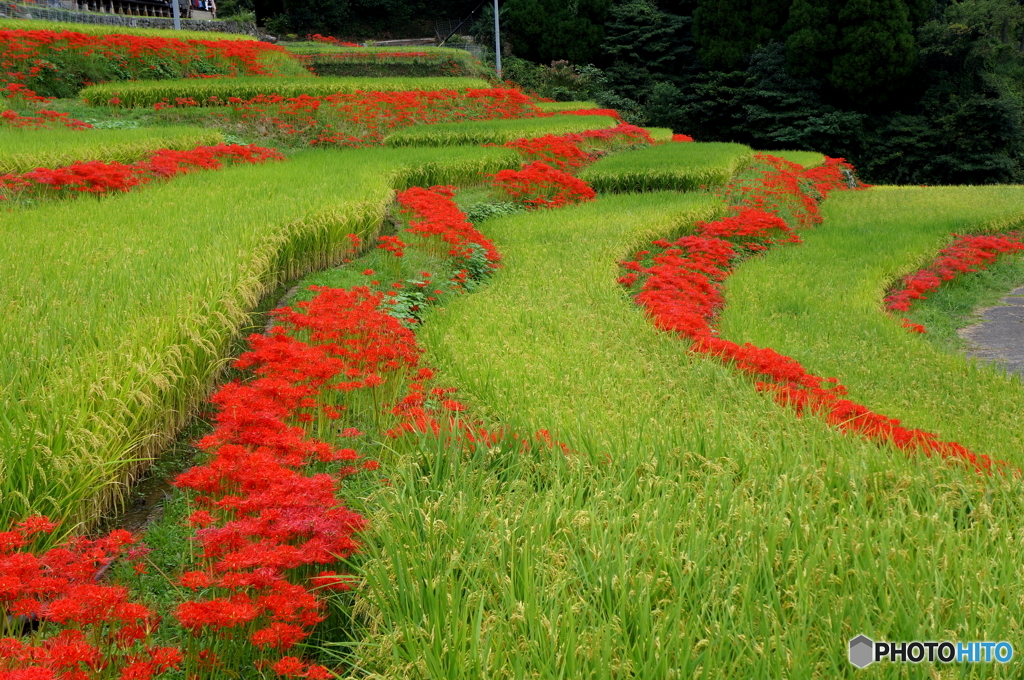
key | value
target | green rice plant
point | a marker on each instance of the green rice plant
(552, 107)
(331, 65)
(682, 166)
(660, 134)
(99, 29)
(323, 57)
(808, 159)
(495, 131)
(434, 53)
(23, 150)
(693, 528)
(119, 311)
(821, 303)
(147, 93)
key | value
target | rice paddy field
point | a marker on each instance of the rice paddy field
(147, 93)
(680, 166)
(495, 132)
(22, 150)
(413, 377)
(326, 59)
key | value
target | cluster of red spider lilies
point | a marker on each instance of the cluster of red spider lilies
(680, 286)
(269, 525)
(970, 253)
(97, 177)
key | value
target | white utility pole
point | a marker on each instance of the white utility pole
(497, 41)
(177, 15)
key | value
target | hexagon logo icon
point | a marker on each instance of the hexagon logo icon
(862, 651)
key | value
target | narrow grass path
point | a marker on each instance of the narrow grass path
(695, 530)
(821, 303)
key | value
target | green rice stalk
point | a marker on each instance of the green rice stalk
(25, 150)
(149, 92)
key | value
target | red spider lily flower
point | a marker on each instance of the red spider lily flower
(966, 254)
(539, 185)
(682, 291)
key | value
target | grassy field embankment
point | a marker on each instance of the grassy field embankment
(149, 92)
(117, 325)
(680, 166)
(25, 150)
(693, 529)
(495, 131)
(821, 303)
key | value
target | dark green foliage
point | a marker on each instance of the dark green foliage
(360, 19)
(920, 11)
(647, 44)
(481, 26)
(957, 127)
(560, 81)
(865, 49)
(763, 106)
(727, 31)
(813, 31)
(228, 9)
(966, 128)
(553, 30)
(910, 91)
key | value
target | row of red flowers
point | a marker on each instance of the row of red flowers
(969, 253)
(97, 177)
(268, 516)
(566, 152)
(365, 118)
(331, 40)
(44, 119)
(33, 58)
(547, 181)
(269, 519)
(100, 627)
(681, 289)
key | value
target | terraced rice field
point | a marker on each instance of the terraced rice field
(550, 396)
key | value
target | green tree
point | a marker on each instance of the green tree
(865, 49)
(728, 31)
(550, 30)
(920, 11)
(646, 45)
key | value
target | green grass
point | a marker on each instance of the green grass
(96, 29)
(821, 303)
(953, 305)
(332, 60)
(679, 166)
(695, 530)
(391, 54)
(808, 159)
(24, 150)
(147, 93)
(119, 311)
(495, 131)
(550, 107)
(660, 134)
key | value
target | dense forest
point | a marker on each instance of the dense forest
(911, 91)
